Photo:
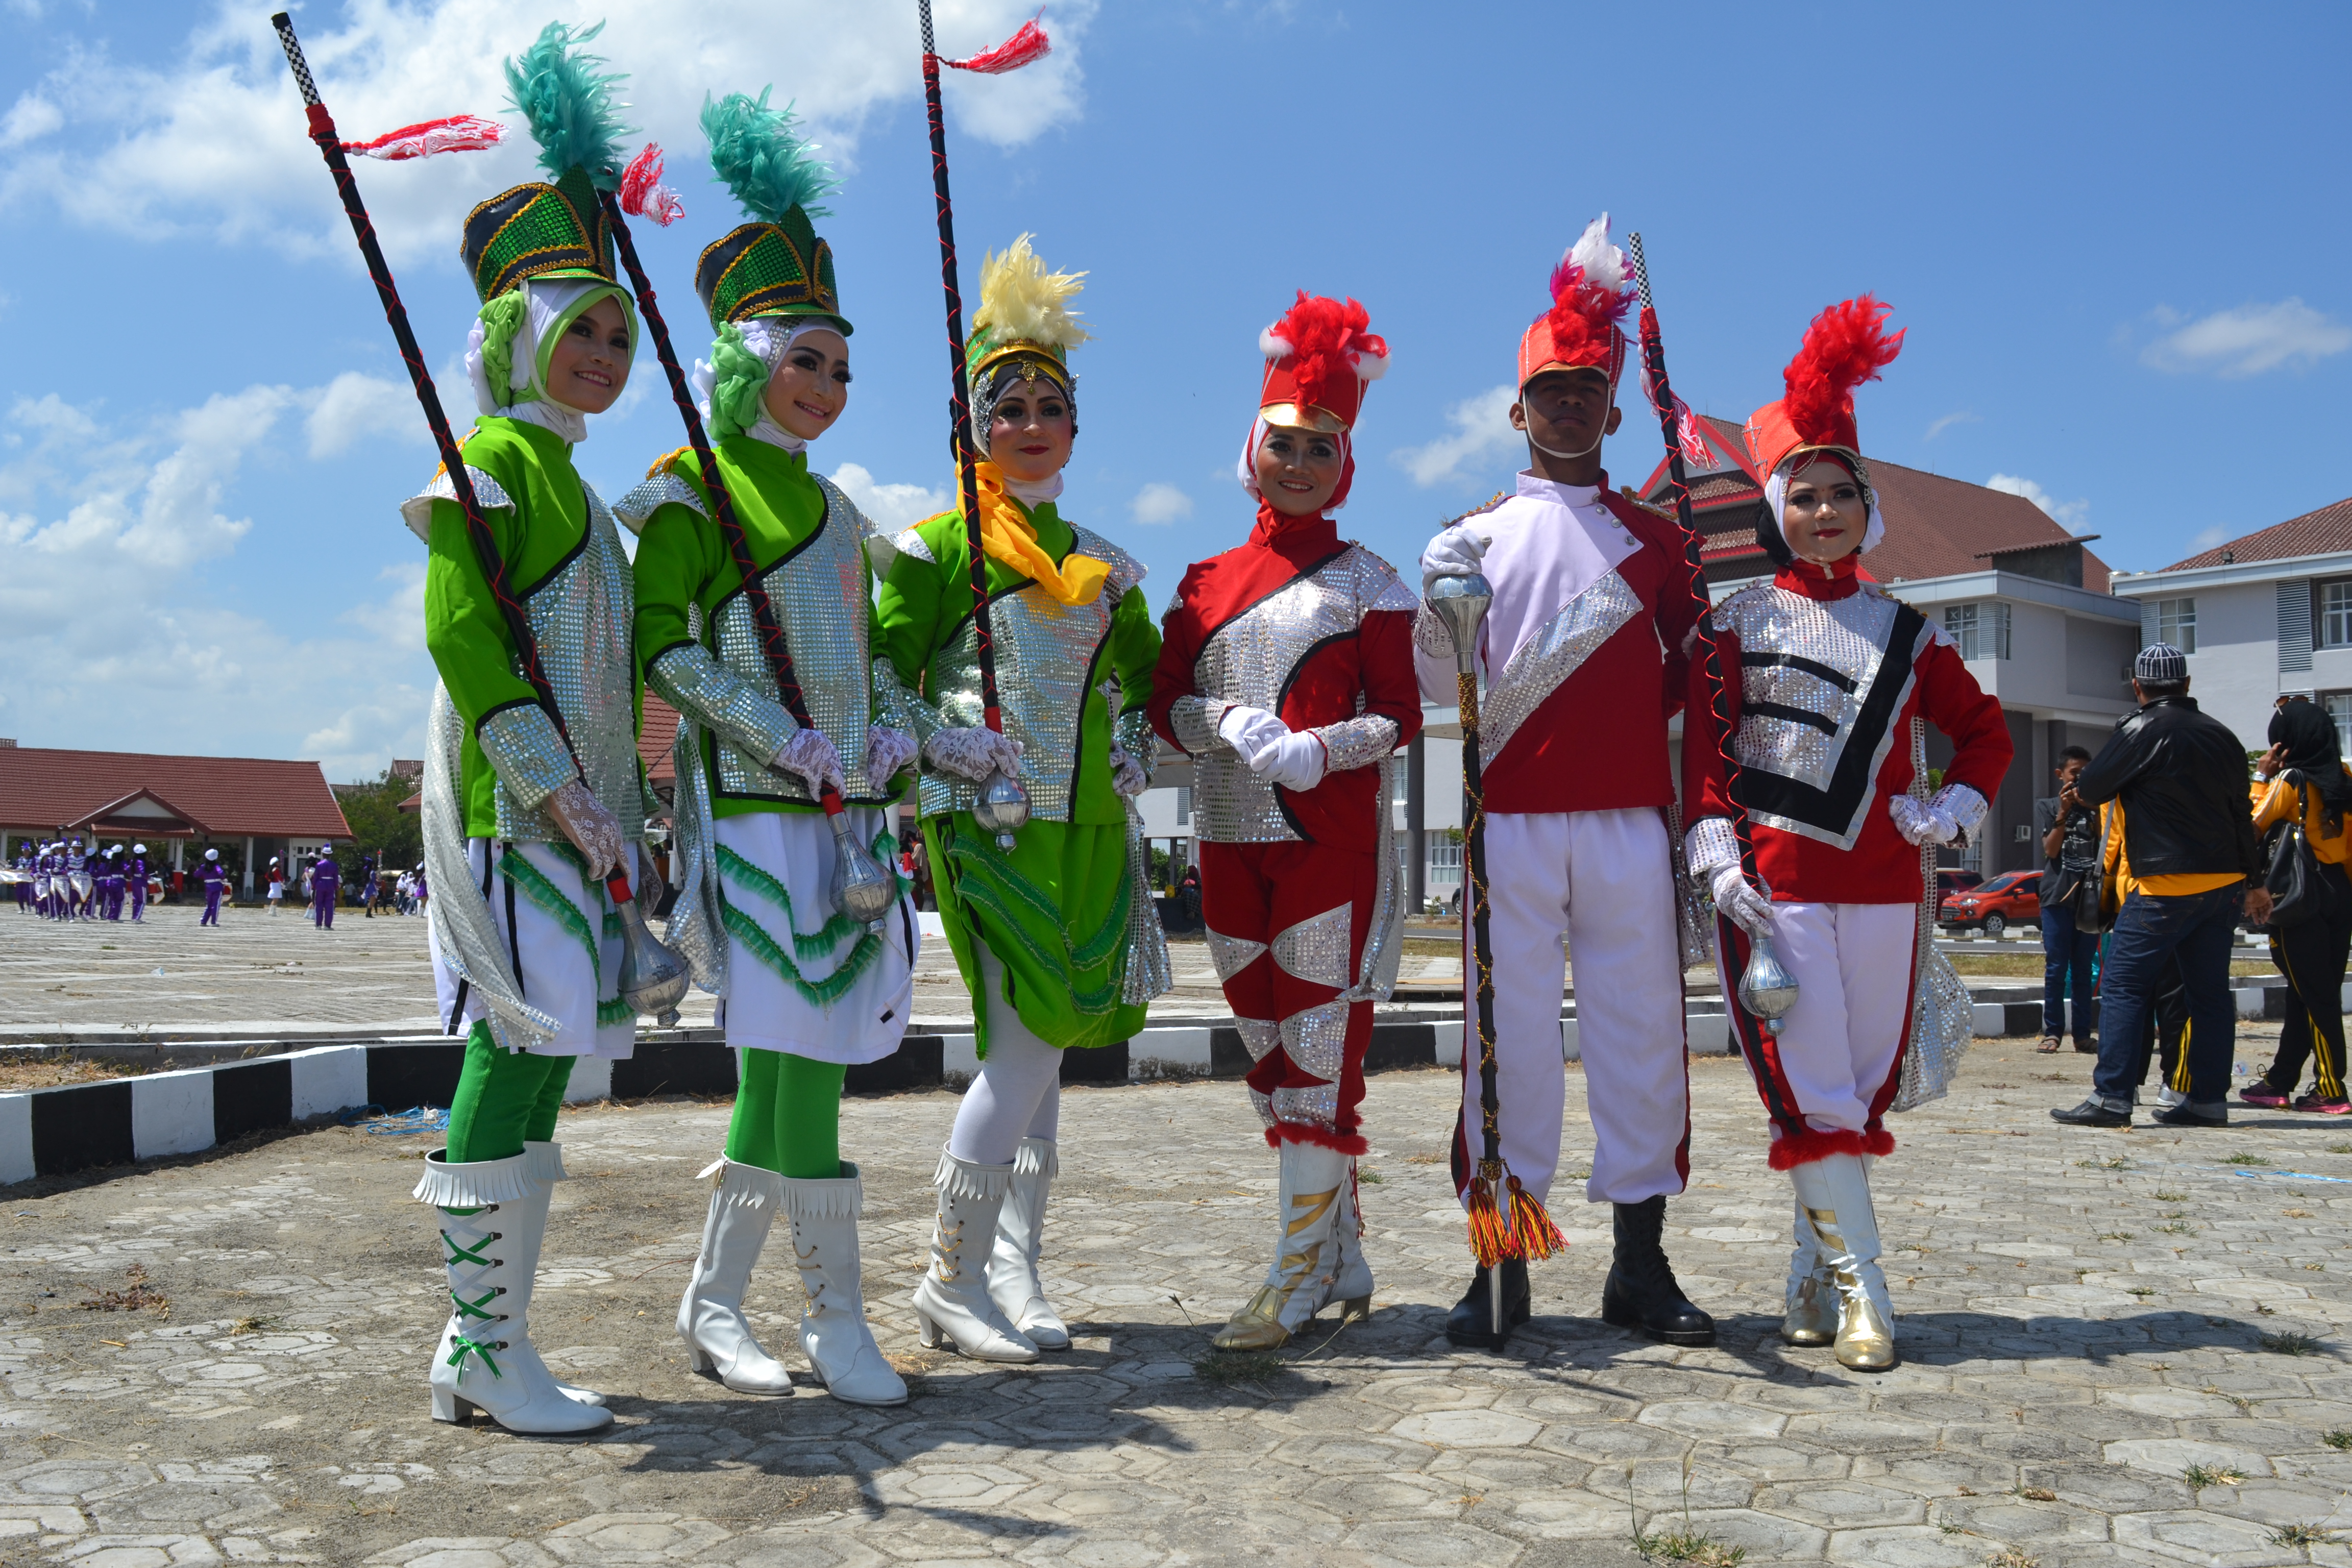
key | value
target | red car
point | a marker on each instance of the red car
(2013, 897)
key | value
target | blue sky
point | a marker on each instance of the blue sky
(2115, 234)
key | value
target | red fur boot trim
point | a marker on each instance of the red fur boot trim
(1878, 1140)
(1305, 1132)
(1791, 1150)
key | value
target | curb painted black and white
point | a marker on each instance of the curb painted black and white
(52, 1131)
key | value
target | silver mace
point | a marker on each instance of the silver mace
(1002, 808)
(653, 977)
(861, 888)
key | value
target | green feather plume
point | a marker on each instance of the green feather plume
(756, 153)
(570, 105)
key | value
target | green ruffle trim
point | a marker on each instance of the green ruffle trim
(501, 318)
(739, 381)
(616, 1011)
(988, 879)
(762, 944)
(535, 887)
(809, 944)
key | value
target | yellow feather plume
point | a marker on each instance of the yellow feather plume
(1021, 301)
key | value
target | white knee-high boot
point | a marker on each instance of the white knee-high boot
(719, 1338)
(833, 1333)
(1811, 1314)
(951, 1302)
(1013, 1281)
(491, 1217)
(545, 1164)
(1835, 1193)
(1313, 1195)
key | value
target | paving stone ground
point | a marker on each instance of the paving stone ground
(2084, 1317)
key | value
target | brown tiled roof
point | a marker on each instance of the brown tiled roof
(227, 797)
(654, 741)
(1936, 527)
(2317, 532)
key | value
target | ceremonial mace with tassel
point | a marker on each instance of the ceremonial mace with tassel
(1003, 806)
(860, 888)
(1506, 1220)
(1767, 989)
(653, 978)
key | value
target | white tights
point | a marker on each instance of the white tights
(1018, 1093)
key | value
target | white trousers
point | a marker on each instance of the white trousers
(550, 954)
(1605, 879)
(1854, 968)
(787, 992)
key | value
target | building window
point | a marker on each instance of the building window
(2336, 615)
(2176, 622)
(1444, 860)
(1184, 805)
(2338, 707)
(1981, 630)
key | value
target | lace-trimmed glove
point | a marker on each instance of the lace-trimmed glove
(1742, 905)
(972, 753)
(811, 757)
(649, 887)
(1456, 553)
(1921, 822)
(1297, 761)
(1712, 852)
(887, 750)
(1249, 732)
(594, 831)
(1126, 774)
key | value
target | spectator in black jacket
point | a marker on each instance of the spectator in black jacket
(2178, 779)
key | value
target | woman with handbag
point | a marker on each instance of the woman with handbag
(2302, 785)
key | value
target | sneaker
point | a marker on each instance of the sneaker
(2319, 1107)
(2091, 1113)
(2260, 1092)
(2187, 1115)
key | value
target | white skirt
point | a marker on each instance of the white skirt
(563, 943)
(800, 976)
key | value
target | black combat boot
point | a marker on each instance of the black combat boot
(1472, 1321)
(1642, 1294)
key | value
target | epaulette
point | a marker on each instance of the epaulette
(1497, 498)
(667, 462)
(1626, 493)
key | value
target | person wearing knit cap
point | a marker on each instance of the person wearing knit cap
(1583, 650)
(528, 812)
(807, 991)
(1286, 671)
(1829, 685)
(1056, 937)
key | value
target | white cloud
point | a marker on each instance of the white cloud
(356, 406)
(1949, 420)
(892, 507)
(214, 142)
(1481, 433)
(2246, 341)
(1157, 503)
(2207, 538)
(2070, 515)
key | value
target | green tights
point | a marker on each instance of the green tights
(504, 1099)
(788, 1116)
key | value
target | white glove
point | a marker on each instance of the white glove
(1456, 553)
(973, 753)
(1740, 904)
(1250, 731)
(1126, 772)
(811, 757)
(886, 752)
(594, 831)
(1920, 821)
(1294, 762)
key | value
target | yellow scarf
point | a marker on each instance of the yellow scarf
(1005, 535)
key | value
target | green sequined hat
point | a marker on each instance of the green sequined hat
(542, 230)
(776, 264)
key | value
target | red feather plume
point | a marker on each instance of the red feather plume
(642, 195)
(1326, 339)
(1027, 46)
(1584, 316)
(1846, 345)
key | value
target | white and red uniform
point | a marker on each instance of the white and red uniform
(1824, 675)
(1582, 653)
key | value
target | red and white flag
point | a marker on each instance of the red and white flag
(1690, 433)
(642, 195)
(457, 134)
(1027, 46)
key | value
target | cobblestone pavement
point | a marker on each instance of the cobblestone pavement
(2090, 1320)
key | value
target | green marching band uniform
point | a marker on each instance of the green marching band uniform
(526, 942)
(1056, 937)
(807, 992)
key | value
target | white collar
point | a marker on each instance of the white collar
(1535, 487)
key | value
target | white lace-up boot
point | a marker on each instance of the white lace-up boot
(1012, 1282)
(833, 1333)
(491, 1216)
(544, 1163)
(718, 1339)
(951, 1303)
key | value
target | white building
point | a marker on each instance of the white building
(2263, 617)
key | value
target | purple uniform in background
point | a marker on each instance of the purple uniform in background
(214, 876)
(325, 879)
(137, 874)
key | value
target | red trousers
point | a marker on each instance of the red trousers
(1286, 928)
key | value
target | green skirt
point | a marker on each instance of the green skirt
(1054, 911)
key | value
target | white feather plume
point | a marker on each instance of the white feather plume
(1273, 347)
(1604, 263)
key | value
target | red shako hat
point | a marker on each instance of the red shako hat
(1318, 359)
(1846, 345)
(1589, 299)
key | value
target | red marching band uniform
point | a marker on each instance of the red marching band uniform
(1296, 630)
(1826, 677)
